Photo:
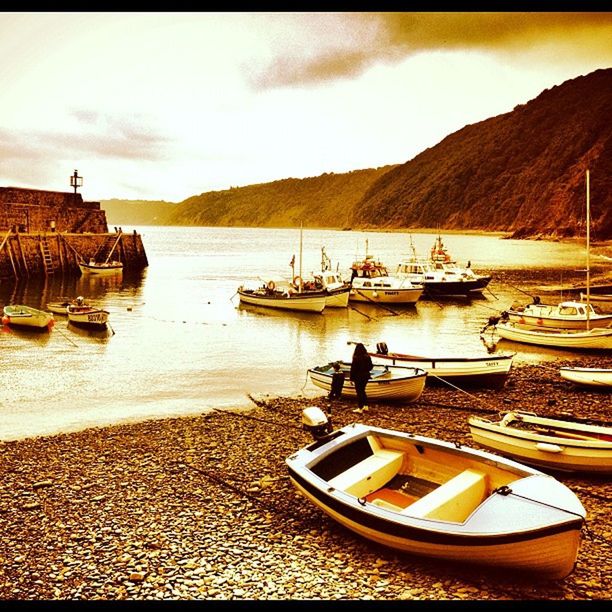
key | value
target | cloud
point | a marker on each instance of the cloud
(96, 135)
(391, 37)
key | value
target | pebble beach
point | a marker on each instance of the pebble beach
(201, 507)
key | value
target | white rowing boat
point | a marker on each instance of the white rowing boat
(547, 443)
(19, 315)
(597, 338)
(588, 377)
(439, 499)
(106, 268)
(386, 383)
(480, 371)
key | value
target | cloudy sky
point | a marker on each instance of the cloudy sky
(168, 105)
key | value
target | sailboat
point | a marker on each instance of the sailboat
(284, 294)
(590, 337)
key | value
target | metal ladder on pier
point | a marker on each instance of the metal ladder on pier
(46, 256)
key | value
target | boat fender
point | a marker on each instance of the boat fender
(549, 448)
(271, 285)
(297, 281)
(362, 500)
(6, 320)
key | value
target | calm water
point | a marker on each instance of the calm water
(181, 343)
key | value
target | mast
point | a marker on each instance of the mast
(300, 274)
(588, 248)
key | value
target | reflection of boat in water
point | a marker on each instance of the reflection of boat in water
(90, 332)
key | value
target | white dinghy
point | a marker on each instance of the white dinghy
(438, 499)
(565, 445)
(588, 377)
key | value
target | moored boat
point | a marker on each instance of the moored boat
(565, 315)
(439, 499)
(371, 282)
(386, 383)
(597, 338)
(588, 377)
(556, 444)
(477, 371)
(59, 306)
(101, 268)
(20, 315)
(282, 295)
(82, 314)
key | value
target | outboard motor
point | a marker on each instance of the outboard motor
(381, 348)
(316, 422)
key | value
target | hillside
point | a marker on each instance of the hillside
(521, 172)
(323, 201)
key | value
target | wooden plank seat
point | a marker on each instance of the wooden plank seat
(370, 473)
(452, 501)
(391, 499)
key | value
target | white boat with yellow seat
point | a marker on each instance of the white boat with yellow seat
(438, 499)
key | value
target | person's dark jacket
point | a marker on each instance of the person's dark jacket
(360, 367)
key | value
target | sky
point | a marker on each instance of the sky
(163, 106)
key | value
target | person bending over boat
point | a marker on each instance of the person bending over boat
(360, 374)
(337, 382)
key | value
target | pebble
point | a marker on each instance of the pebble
(173, 525)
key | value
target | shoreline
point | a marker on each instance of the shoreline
(200, 507)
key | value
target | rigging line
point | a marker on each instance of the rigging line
(67, 338)
(362, 313)
(268, 505)
(254, 418)
(450, 384)
(396, 314)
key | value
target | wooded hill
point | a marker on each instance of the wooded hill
(521, 172)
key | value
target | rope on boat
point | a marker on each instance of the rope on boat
(395, 314)
(66, 337)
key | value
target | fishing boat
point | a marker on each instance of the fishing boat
(101, 268)
(564, 445)
(598, 338)
(386, 383)
(336, 289)
(19, 315)
(371, 282)
(589, 337)
(281, 294)
(82, 314)
(588, 377)
(565, 315)
(439, 499)
(442, 261)
(437, 280)
(489, 371)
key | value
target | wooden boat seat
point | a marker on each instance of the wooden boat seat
(452, 501)
(369, 474)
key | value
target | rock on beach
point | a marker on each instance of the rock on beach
(202, 508)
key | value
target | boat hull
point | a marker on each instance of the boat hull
(385, 296)
(554, 452)
(588, 377)
(398, 384)
(101, 269)
(557, 322)
(302, 303)
(489, 372)
(532, 525)
(593, 339)
(95, 318)
(453, 288)
(337, 298)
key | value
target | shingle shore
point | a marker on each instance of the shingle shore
(201, 508)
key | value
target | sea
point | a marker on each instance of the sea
(180, 343)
